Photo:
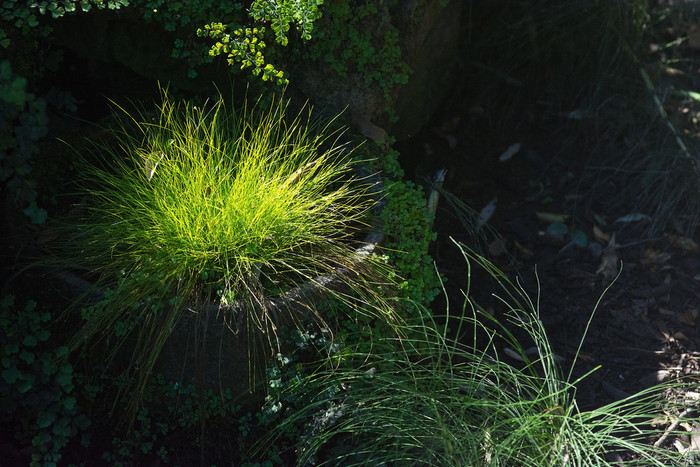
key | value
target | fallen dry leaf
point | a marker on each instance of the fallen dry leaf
(610, 263)
(600, 235)
(685, 243)
(551, 217)
(633, 217)
(671, 71)
(510, 152)
(652, 255)
(486, 213)
(525, 250)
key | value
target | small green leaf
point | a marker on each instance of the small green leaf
(69, 403)
(49, 367)
(30, 341)
(11, 375)
(41, 439)
(65, 379)
(62, 428)
(43, 334)
(45, 419)
(24, 385)
(27, 356)
(36, 214)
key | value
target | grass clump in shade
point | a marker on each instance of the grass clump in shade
(202, 207)
(448, 394)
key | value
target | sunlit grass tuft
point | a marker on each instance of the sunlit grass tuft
(203, 206)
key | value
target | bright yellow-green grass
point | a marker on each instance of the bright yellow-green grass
(202, 189)
(203, 205)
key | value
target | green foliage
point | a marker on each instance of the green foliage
(16, 15)
(285, 376)
(183, 18)
(24, 16)
(36, 388)
(246, 45)
(407, 225)
(168, 423)
(58, 8)
(307, 354)
(352, 37)
(203, 207)
(282, 14)
(36, 214)
(179, 14)
(348, 37)
(355, 37)
(23, 122)
(431, 399)
(285, 372)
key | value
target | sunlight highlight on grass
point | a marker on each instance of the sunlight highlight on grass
(204, 206)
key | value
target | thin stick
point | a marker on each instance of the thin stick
(434, 197)
(672, 427)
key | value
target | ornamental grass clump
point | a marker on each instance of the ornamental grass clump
(450, 393)
(200, 208)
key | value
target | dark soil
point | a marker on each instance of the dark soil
(644, 329)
